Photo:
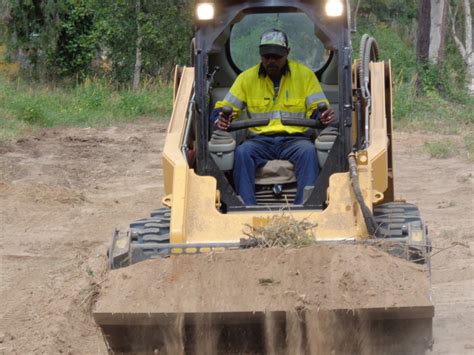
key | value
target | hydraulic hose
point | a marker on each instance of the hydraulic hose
(366, 213)
(369, 51)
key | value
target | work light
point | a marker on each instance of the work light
(205, 11)
(334, 8)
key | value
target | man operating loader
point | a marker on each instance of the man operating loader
(277, 88)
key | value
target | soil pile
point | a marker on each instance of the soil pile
(275, 279)
(209, 304)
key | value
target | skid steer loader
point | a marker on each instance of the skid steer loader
(352, 202)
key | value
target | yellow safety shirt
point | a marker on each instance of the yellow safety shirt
(298, 96)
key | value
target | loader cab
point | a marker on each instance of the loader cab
(226, 44)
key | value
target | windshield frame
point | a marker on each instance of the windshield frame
(233, 59)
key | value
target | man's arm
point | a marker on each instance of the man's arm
(315, 96)
(235, 99)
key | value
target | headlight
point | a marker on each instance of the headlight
(334, 8)
(205, 11)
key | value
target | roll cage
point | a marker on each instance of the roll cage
(212, 38)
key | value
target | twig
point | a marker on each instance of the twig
(91, 293)
(453, 244)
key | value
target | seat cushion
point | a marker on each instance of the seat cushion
(275, 172)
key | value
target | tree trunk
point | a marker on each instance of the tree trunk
(469, 50)
(423, 41)
(470, 80)
(466, 48)
(138, 48)
(439, 11)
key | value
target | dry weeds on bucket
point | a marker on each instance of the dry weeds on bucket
(282, 231)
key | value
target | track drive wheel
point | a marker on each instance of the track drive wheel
(142, 241)
(401, 226)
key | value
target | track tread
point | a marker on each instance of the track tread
(393, 217)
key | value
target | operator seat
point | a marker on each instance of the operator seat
(277, 177)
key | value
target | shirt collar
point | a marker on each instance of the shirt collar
(262, 71)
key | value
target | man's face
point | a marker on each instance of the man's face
(274, 63)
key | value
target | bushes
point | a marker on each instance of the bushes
(145, 102)
(91, 103)
(443, 104)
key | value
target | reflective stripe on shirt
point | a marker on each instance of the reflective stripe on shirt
(315, 98)
(234, 101)
(278, 115)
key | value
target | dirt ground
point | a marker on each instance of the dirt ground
(63, 191)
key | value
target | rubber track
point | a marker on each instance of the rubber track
(155, 229)
(393, 217)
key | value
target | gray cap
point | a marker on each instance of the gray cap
(274, 42)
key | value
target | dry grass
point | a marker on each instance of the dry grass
(282, 231)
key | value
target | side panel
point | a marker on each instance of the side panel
(390, 193)
(171, 156)
(379, 143)
(175, 166)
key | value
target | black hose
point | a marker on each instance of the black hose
(361, 69)
(369, 51)
(366, 213)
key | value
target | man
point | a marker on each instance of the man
(276, 88)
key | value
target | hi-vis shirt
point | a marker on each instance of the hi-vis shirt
(298, 96)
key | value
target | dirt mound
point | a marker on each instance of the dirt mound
(314, 277)
(274, 300)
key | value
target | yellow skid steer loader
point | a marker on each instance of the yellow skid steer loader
(351, 204)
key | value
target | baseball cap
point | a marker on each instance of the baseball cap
(274, 42)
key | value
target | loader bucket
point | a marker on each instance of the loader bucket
(314, 300)
(405, 330)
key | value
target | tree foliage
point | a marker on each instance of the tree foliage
(71, 38)
(51, 38)
(74, 39)
(165, 27)
(401, 11)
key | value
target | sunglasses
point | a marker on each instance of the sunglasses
(272, 56)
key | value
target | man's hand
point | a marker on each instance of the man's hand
(328, 117)
(223, 123)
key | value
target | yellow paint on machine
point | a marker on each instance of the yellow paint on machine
(194, 197)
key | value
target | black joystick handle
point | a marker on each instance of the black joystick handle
(227, 111)
(322, 106)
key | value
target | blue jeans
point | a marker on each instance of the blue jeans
(256, 151)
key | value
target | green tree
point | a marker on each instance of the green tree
(165, 29)
(51, 38)
(400, 11)
(60, 39)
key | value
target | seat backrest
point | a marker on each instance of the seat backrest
(217, 94)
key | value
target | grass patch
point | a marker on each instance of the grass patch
(441, 149)
(93, 103)
(431, 113)
(469, 145)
